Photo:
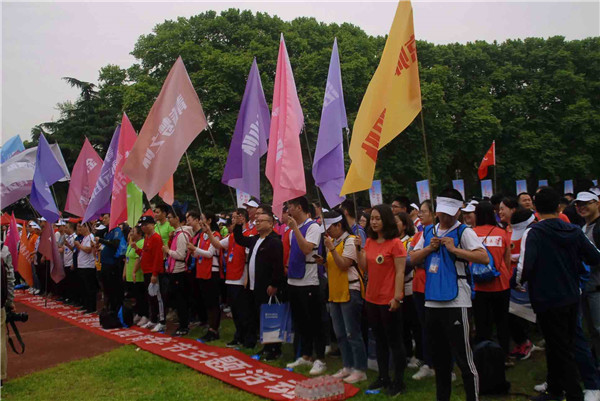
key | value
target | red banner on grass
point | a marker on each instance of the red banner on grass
(228, 365)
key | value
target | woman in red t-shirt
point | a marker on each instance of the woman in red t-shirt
(384, 258)
(492, 298)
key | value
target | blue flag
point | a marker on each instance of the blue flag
(328, 166)
(47, 172)
(11, 147)
(249, 141)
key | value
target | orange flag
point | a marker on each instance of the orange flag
(174, 121)
(26, 252)
(167, 192)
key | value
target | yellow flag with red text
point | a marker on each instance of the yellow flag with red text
(391, 103)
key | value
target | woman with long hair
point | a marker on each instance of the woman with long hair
(346, 288)
(384, 259)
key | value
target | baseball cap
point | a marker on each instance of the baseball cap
(146, 220)
(586, 196)
(251, 203)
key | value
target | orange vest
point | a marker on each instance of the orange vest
(204, 265)
(236, 260)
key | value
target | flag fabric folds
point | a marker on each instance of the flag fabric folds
(49, 250)
(285, 169)
(11, 147)
(249, 141)
(12, 241)
(392, 101)
(118, 204)
(167, 192)
(135, 204)
(488, 160)
(174, 121)
(26, 254)
(328, 165)
(83, 179)
(100, 199)
(47, 172)
(17, 174)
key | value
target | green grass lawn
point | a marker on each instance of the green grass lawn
(127, 374)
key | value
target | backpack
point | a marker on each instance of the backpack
(481, 273)
(109, 319)
(489, 361)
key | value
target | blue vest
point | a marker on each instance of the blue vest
(442, 280)
(297, 260)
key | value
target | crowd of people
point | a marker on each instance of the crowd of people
(393, 281)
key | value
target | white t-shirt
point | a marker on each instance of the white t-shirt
(350, 253)
(225, 244)
(311, 274)
(68, 256)
(252, 263)
(468, 241)
(86, 260)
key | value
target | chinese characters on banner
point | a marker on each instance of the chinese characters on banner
(375, 193)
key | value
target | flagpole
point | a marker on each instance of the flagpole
(193, 181)
(233, 198)
(353, 193)
(495, 166)
(311, 163)
(426, 154)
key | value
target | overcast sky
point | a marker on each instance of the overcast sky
(42, 42)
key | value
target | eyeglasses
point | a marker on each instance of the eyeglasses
(261, 221)
(583, 204)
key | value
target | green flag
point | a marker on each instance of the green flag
(135, 204)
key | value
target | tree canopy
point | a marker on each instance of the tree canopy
(538, 98)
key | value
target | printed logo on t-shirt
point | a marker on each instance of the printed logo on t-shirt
(493, 241)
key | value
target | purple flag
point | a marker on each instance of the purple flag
(328, 166)
(100, 199)
(47, 172)
(249, 141)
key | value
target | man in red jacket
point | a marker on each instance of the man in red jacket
(153, 267)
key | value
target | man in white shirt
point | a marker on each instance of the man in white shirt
(445, 250)
(303, 286)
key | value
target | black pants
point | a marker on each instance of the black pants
(411, 329)
(448, 332)
(42, 269)
(179, 293)
(196, 303)
(387, 328)
(489, 309)
(136, 291)
(112, 277)
(210, 291)
(519, 329)
(90, 288)
(155, 303)
(305, 303)
(558, 328)
(237, 300)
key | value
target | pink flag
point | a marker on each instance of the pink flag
(49, 250)
(174, 121)
(12, 241)
(285, 169)
(167, 192)
(83, 179)
(118, 205)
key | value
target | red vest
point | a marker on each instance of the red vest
(204, 265)
(236, 260)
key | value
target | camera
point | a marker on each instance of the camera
(16, 317)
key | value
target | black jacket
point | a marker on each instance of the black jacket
(552, 263)
(269, 260)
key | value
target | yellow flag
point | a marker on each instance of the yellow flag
(391, 103)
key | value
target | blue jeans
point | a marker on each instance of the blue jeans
(346, 318)
(584, 358)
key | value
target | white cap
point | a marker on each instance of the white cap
(100, 226)
(34, 225)
(586, 196)
(595, 190)
(251, 203)
(470, 208)
(221, 221)
(414, 206)
(41, 219)
(448, 205)
(324, 210)
(61, 222)
(19, 225)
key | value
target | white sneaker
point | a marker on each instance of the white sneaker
(356, 376)
(319, 367)
(591, 395)
(414, 363)
(453, 376)
(159, 327)
(344, 372)
(541, 388)
(148, 325)
(424, 372)
(136, 319)
(328, 349)
(299, 362)
(143, 321)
